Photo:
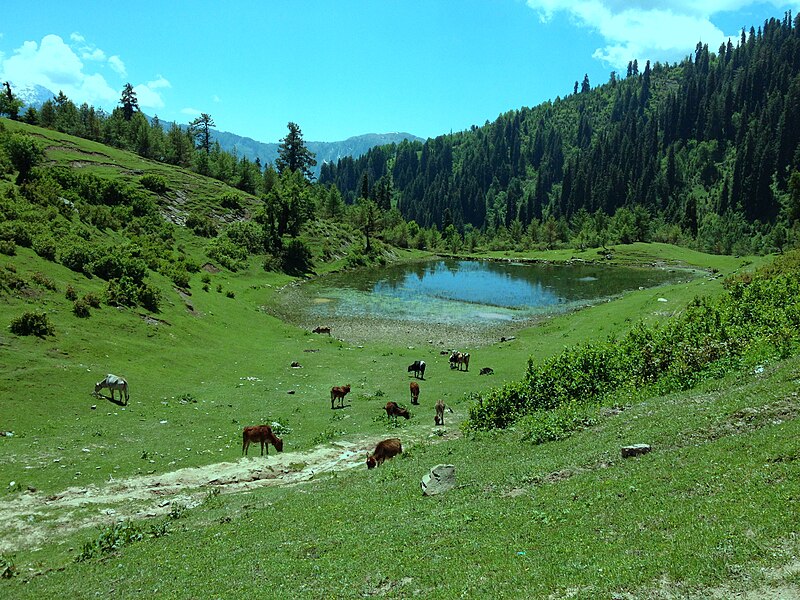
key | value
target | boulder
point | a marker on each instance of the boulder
(441, 478)
(635, 450)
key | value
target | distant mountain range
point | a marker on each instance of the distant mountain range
(36, 95)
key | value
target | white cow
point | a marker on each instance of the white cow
(113, 382)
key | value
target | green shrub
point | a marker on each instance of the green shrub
(30, 323)
(8, 247)
(44, 281)
(296, 257)
(122, 292)
(154, 183)
(228, 254)
(44, 246)
(70, 293)
(77, 255)
(230, 294)
(110, 539)
(119, 263)
(81, 309)
(201, 224)
(92, 299)
(553, 425)
(230, 201)
(149, 297)
(8, 568)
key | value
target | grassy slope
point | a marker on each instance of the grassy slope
(466, 541)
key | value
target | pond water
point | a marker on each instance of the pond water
(436, 298)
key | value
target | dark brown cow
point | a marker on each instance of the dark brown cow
(262, 434)
(414, 392)
(383, 450)
(338, 392)
(322, 329)
(393, 411)
(440, 406)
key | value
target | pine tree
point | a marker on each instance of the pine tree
(129, 102)
(200, 129)
(293, 155)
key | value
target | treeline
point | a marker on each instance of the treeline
(703, 152)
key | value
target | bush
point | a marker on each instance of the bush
(118, 264)
(155, 183)
(81, 309)
(201, 225)
(44, 246)
(31, 323)
(8, 247)
(149, 297)
(122, 292)
(44, 281)
(296, 257)
(70, 293)
(8, 568)
(77, 255)
(92, 300)
(230, 201)
(111, 539)
(228, 254)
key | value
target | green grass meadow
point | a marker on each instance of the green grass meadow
(711, 512)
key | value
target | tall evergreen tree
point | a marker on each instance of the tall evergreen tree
(129, 102)
(293, 155)
(200, 129)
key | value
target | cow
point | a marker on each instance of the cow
(393, 410)
(440, 406)
(262, 434)
(113, 382)
(487, 371)
(322, 329)
(459, 358)
(418, 367)
(338, 392)
(383, 450)
(414, 392)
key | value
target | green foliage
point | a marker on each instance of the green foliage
(8, 247)
(201, 224)
(111, 539)
(92, 299)
(45, 246)
(708, 338)
(81, 309)
(8, 567)
(155, 183)
(557, 424)
(32, 323)
(43, 280)
(231, 256)
(127, 292)
(230, 201)
(25, 153)
(78, 255)
(296, 257)
(70, 293)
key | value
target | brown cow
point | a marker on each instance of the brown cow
(393, 411)
(262, 434)
(339, 392)
(414, 392)
(440, 406)
(383, 450)
(459, 358)
(322, 329)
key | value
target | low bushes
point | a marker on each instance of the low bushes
(31, 323)
(759, 316)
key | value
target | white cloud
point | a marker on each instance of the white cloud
(653, 30)
(57, 66)
(148, 96)
(192, 112)
(216, 99)
(116, 64)
(96, 54)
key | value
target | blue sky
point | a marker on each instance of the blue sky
(343, 68)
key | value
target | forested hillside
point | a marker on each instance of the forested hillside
(704, 152)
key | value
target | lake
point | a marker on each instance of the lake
(442, 298)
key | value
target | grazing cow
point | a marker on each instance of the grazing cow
(322, 329)
(383, 450)
(440, 406)
(393, 411)
(414, 392)
(418, 366)
(338, 392)
(112, 382)
(487, 371)
(459, 358)
(262, 434)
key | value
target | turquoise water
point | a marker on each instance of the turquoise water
(456, 292)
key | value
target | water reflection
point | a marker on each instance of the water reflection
(458, 292)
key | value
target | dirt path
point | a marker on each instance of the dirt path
(31, 519)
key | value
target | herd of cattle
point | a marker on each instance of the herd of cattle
(385, 449)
